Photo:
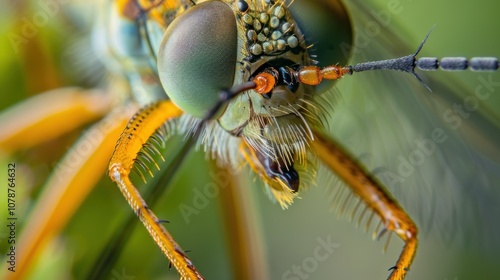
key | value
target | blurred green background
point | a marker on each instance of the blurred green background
(462, 28)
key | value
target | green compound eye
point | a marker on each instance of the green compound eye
(197, 56)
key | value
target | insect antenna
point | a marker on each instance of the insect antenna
(313, 75)
(409, 62)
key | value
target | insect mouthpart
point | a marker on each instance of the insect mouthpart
(275, 73)
(279, 170)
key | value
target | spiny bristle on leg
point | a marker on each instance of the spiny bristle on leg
(150, 151)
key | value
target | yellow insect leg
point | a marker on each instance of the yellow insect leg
(373, 194)
(68, 186)
(138, 131)
(49, 115)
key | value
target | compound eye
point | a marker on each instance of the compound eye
(197, 56)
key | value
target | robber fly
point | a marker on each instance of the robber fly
(241, 81)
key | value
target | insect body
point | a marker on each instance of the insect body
(272, 129)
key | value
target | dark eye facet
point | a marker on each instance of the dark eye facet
(197, 56)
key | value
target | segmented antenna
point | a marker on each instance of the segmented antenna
(313, 75)
(266, 80)
(457, 63)
(409, 62)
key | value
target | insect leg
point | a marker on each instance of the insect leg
(138, 131)
(32, 121)
(73, 179)
(374, 195)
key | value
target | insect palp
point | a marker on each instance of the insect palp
(280, 170)
(266, 81)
